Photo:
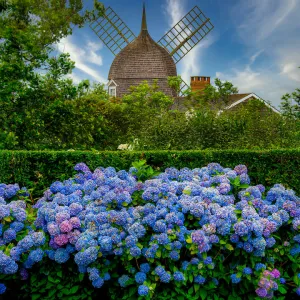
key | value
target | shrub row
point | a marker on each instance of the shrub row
(38, 169)
(190, 234)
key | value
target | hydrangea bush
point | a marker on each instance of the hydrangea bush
(204, 233)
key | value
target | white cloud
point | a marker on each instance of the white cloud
(271, 25)
(174, 10)
(258, 20)
(255, 56)
(263, 82)
(245, 80)
(190, 64)
(83, 56)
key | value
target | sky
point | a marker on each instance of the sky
(255, 44)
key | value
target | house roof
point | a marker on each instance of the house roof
(112, 82)
(143, 59)
(236, 99)
(233, 101)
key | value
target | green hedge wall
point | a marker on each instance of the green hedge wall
(38, 169)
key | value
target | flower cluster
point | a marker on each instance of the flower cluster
(167, 225)
(14, 224)
(267, 284)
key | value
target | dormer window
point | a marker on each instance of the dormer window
(112, 91)
(112, 88)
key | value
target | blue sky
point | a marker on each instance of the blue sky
(255, 43)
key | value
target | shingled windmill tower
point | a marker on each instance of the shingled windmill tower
(141, 58)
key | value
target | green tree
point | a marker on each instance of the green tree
(147, 95)
(213, 96)
(290, 104)
(30, 77)
(175, 82)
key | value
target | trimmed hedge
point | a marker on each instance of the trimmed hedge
(38, 169)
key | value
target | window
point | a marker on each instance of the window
(112, 91)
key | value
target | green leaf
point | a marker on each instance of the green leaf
(229, 247)
(168, 247)
(203, 294)
(191, 277)
(74, 289)
(59, 273)
(65, 291)
(81, 276)
(35, 296)
(243, 186)
(51, 293)
(282, 290)
(158, 254)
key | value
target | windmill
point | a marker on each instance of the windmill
(141, 58)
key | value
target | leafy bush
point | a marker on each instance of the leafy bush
(38, 169)
(186, 234)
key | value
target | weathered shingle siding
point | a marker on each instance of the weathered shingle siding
(143, 59)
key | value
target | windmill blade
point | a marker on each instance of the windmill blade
(186, 34)
(112, 31)
(183, 88)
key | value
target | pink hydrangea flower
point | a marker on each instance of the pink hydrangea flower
(276, 273)
(61, 239)
(75, 222)
(65, 226)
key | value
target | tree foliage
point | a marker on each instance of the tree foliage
(40, 108)
(290, 104)
(33, 80)
(216, 96)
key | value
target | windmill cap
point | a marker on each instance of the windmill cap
(144, 20)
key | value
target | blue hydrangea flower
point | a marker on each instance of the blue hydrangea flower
(123, 280)
(145, 268)
(165, 277)
(9, 235)
(199, 279)
(140, 277)
(2, 288)
(208, 261)
(235, 279)
(247, 271)
(159, 270)
(260, 266)
(143, 290)
(178, 276)
(98, 283)
(61, 256)
(36, 255)
(106, 276)
(282, 280)
(174, 255)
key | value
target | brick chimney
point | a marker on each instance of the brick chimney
(198, 83)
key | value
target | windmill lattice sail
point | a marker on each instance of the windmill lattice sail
(183, 88)
(112, 31)
(186, 34)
